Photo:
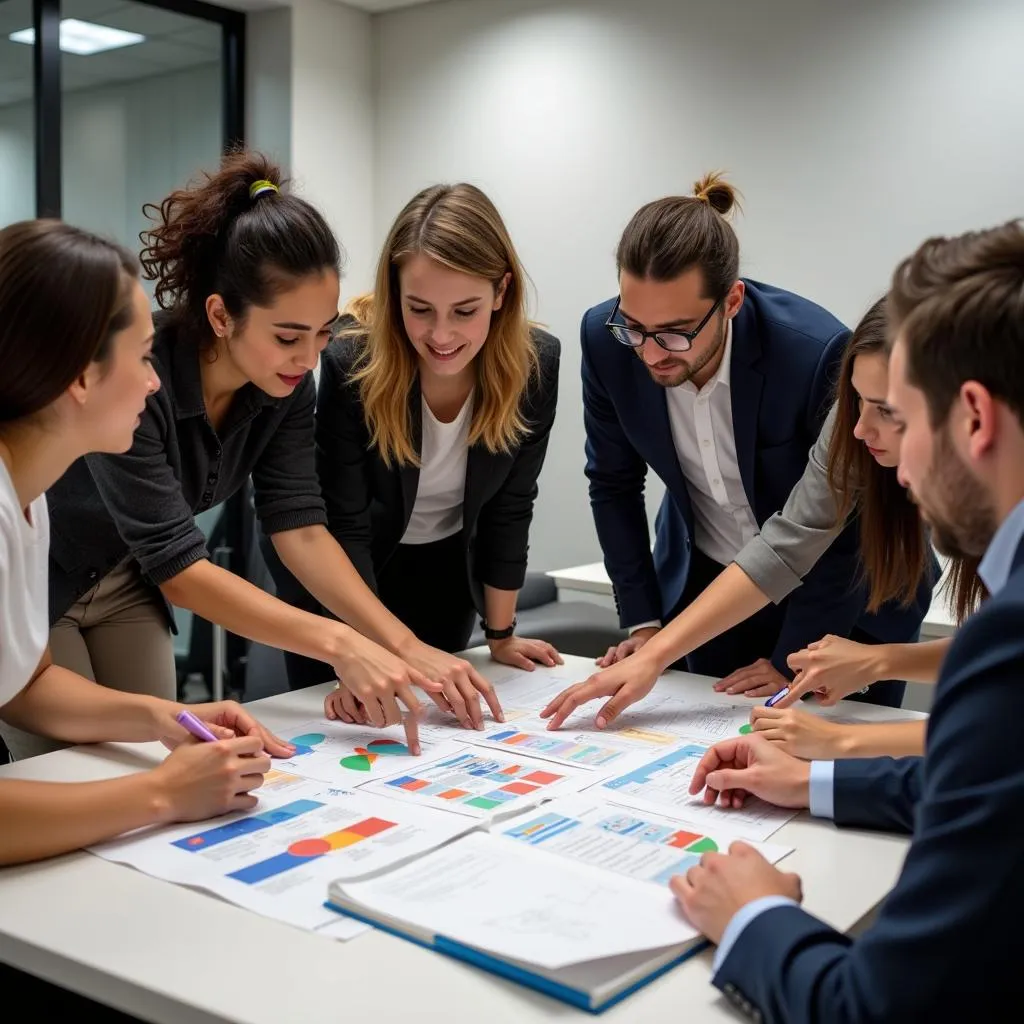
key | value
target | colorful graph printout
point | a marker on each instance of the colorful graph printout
(478, 783)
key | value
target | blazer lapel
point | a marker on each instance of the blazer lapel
(408, 473)
(746, 387)
(652, 406)
(478, 463)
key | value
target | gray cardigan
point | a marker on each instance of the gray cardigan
(791, 541)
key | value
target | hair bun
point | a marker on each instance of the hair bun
(714, 190)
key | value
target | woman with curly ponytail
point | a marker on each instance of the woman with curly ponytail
(247, 275)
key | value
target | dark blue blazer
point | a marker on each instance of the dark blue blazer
(944, 945)
(785, 361)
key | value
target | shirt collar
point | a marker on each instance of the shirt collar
(724, 373)
(187, 391)
(995, 567)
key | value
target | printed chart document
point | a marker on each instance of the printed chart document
(658, 720)
(583, 750)
(278, 858)
(347, 755)
(577, 932)
(662, 785)
(480, 783)
(638, 844)
(707, 721)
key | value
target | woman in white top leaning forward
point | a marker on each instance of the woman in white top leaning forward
(75, 341)
(433, 416)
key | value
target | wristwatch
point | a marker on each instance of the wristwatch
(497, 634)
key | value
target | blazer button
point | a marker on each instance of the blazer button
(93, 574)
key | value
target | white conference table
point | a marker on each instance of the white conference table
(592, 578)
(176, 956)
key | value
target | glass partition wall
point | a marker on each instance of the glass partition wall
(106, 105)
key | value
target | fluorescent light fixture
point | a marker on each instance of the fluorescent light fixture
(83, 37)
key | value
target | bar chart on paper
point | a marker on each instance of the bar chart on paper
(295, 854)
(278, 859)
(638, 844)
(583, 750)
(663, 785)
(476, 783)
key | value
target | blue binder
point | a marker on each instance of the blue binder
(635, 970)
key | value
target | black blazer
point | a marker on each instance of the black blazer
(369, 503)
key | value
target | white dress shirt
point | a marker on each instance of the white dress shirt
(437, 512)
(705, 443)
(702, 430)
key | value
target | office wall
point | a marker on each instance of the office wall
(310, 102)
(268, 83)
(853, 130)
(124, 145)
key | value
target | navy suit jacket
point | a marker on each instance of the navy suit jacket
(785, 361)
(944, 944)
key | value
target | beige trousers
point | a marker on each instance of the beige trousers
(116, 634)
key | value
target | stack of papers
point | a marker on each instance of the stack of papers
(543, 855)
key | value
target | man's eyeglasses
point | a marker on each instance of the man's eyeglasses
(676, 340)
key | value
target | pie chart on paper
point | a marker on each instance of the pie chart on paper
(363, 758)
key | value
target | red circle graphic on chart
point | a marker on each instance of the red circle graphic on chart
(309, 848)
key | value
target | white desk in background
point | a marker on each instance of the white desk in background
(592, 578)
(176, 956)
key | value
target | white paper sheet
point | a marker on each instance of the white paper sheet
(662, 785)
(279, 858)
(657, 721)
(481, 783)
(523, 903)
(705, 720)
(523, 694)
(638, 844)
(342, 928)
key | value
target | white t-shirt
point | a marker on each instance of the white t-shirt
(24, 588)
(437, 512)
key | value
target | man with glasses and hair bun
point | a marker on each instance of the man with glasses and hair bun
(720, 385)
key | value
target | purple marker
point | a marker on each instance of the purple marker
(776, 697)
(195, 726)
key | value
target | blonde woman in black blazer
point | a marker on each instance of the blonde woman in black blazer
(434, 411)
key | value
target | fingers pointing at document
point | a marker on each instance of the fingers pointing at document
(625, 683)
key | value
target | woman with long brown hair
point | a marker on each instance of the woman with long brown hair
(433, 416)
(851, 472)
(76, 341)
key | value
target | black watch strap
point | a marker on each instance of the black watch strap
(497, 634)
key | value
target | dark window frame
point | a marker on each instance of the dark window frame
(47, 97)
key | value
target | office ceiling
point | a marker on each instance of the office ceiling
(172, 42)
(376, 6)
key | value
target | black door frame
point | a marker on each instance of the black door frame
(47, 96)
(47, 92)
